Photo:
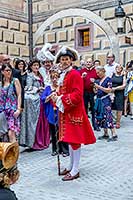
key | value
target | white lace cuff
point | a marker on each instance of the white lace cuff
(59, 104)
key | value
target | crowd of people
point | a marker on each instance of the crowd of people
(111, 86)
(50, 99)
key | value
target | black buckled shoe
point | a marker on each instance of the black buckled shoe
(69, 177)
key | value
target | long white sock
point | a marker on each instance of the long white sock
(76, 159)
(71, 158)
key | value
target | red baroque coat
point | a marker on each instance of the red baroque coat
(74, 126)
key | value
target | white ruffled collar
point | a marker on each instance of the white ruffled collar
(62, 75)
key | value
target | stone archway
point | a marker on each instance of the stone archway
(87, 14)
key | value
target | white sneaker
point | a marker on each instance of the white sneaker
(132, 117)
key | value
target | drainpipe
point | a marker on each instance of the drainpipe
(30, 23)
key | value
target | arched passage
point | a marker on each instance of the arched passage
(87, 14)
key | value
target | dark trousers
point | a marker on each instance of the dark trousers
(63, 146)
(89, 98)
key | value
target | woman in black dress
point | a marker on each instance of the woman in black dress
(21, 65)
(118, 86)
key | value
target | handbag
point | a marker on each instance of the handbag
(3, 124)
(3, 120)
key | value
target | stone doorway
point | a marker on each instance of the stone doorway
(87, 14)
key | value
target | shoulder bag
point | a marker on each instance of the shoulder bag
(3, 120)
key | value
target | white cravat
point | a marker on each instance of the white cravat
(62, 76)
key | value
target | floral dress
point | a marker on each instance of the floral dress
(107, 120)
(8, 103)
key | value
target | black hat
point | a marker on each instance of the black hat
(66, 51)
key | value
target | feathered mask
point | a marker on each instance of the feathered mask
(45, 54)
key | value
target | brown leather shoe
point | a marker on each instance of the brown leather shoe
(69, 177)
(64, 172)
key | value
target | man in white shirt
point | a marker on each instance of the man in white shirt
(111, 65)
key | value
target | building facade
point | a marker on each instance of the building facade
(76, 31)
(13, 28)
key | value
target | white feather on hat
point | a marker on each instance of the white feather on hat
(64, 51)
(45, 54)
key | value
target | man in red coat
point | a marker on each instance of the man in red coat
(74, 127)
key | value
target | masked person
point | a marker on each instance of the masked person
(47, 59)
(74, 127)
(9, 173)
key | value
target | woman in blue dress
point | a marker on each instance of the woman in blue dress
(103, 112)
(51, 112)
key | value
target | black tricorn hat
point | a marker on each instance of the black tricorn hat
(66, 51)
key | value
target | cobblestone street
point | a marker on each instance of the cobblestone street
(106, 171)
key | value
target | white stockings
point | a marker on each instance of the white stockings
(74, 160)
